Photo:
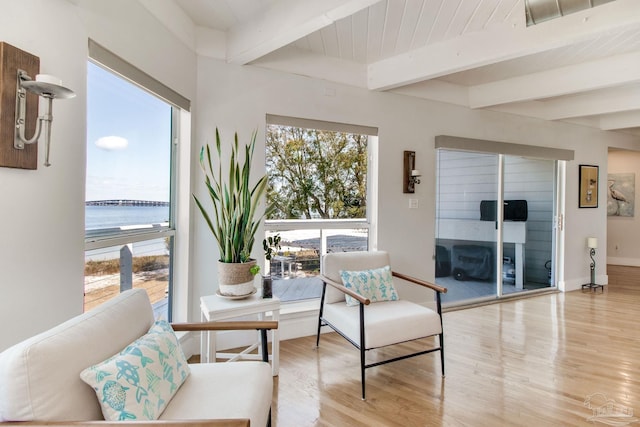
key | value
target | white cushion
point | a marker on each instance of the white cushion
(224, 390)
(40, 377)
(138, 382)
(386, 323)
(375, 284)
(333, 263)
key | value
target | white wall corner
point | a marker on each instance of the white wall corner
(211, 43)
(174, 19)
(573, 285)
(190, 343)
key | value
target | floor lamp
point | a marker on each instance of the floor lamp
(592, 244)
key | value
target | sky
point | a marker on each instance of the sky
(128, 140)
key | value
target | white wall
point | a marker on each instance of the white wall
(237, 98)
(623, 233)
(41, 258)
(42, 211)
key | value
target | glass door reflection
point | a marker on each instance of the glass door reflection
(466, 225)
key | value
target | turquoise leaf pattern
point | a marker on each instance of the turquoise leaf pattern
(140, 393)
(153, 381)
(139, 382)
(124, 415)
(161, 404)
(375, 284)
(148, 410)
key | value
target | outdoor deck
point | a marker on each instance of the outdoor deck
(299, 288)
(155, 288)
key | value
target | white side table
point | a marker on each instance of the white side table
(216, 308)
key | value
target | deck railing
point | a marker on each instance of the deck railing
(295, 267)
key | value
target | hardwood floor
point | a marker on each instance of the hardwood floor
(528, 362)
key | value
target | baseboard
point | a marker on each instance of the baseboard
(576, 284)
(629, 262)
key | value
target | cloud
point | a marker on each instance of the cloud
(112, 143)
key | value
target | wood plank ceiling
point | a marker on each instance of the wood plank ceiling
(583, 67)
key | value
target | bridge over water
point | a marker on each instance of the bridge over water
(124, 202)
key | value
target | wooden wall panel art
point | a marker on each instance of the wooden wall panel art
(13, 59)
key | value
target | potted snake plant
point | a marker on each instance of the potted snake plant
(233, 219)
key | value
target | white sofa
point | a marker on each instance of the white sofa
(40, 377)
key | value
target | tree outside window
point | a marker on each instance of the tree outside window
(318, 185)
(316, 174)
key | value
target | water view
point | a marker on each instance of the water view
(100, 217)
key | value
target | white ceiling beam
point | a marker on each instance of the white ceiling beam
(528, 109)
(594, 103)
(284, 23)
(437, 90)
(472, 50)
(626, 120)
(294, 60)
(602, 73)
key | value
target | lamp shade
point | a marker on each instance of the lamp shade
(592, 242)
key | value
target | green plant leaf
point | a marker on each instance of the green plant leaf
(233, 219)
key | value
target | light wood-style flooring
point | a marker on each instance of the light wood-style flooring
(527, 362)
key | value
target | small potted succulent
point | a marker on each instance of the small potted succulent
(271, 245)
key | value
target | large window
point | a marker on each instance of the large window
(129, 221)
(319, 181)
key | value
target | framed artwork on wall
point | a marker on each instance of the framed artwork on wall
(621, 194)
(588, 187)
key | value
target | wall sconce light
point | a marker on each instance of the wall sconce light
(48, 87)
(411, 175)
(592, 244)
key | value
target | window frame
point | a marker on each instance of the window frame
(369, 222)
(120, 236)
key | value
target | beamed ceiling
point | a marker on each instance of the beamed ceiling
(583, 67)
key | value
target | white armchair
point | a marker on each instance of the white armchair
(40, 378)
(369, 325)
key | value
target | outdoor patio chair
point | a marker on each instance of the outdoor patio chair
(362, 305)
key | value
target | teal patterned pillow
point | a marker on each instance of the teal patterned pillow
(376, 284)
(139, 382)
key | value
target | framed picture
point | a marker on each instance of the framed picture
(588, 187)
(621, 194)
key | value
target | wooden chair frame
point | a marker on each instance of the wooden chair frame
(262, 326)
(362, 302)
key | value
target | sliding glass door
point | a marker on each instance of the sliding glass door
(528, 226)
(466, 227)
(494, 224)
